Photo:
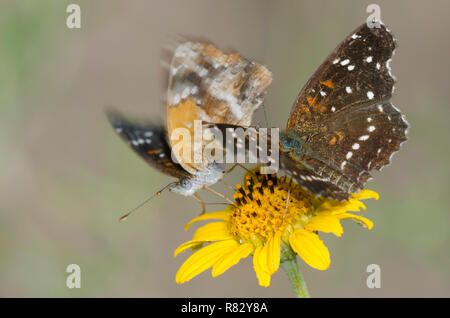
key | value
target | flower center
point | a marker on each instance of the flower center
(267, 204)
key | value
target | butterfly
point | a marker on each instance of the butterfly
(205, 85)
(342, 124)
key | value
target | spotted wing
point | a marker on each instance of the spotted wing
(360, 141)
(357, 72)
(344, 114)
(308, 173)
(207, 84)
(237, 144)
(149, 141)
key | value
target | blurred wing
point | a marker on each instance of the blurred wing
(308, 173)
(344, 112)
(243, 145)
(206, 84)
(300, 169)
(149, 141)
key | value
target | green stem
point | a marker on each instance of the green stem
(289, 265)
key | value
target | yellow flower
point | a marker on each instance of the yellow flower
(269, 212)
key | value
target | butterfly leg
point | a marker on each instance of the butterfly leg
(233, 167)
(204, 204)
(230, 170)
(219, 194)
(228, 186)
(196, 197)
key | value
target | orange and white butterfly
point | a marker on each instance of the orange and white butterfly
(205, 85)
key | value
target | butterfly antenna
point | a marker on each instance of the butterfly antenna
(157, 194)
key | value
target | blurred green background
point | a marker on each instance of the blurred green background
(66, 177)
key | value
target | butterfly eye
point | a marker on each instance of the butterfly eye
(186, 184)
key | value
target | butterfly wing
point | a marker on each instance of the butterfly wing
(355, 73)
(209, 85)
(149, 141)
(307, 172)
(344, 114)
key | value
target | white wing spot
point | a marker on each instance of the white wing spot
(345, 62)
(349, 155)
(364, 137)
(371, 128)
(378, 66)
(185, 92)
(333, 109)
(348, 89)
(369, 59)
(176, 99)
(369, 119)
(388, 66)
(370, 94)
(355, 146)
(343, 164)
(351, 67)
(323, 93)
(336, 61)
(380, 108)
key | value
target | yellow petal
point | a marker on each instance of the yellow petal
(187, 245)
(203, 259)
(310, 248)
(263, 263)
(354, 205)
(221, 215)
(228, 260)
(366, 194)
(325, 223)
(364, 221)
(273, 252)
(217, 231)
(341, 207)
(262, 275)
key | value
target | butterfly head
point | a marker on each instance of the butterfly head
(293, 142)
(189, 185)
(184, 187)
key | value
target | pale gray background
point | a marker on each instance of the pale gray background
(67, 177)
